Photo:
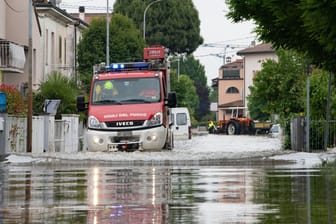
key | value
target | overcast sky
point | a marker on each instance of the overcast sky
(216, 29)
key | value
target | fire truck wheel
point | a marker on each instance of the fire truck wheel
(232, 128)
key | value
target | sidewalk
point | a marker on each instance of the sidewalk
(200, 130)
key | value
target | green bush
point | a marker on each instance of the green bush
(57, 87)
(15, 102)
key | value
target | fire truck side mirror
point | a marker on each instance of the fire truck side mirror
(171, 100)
(81, 105)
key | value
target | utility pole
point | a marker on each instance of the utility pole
(30, 79)
(144, 17)
(326, 129)
(107, 34)
(308, 108)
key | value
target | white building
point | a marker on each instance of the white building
(253, 58)
(55, 35)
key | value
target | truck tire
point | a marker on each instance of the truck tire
(233, 128)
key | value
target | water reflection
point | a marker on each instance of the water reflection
(125, 195)
(166, 194)
(298, 196)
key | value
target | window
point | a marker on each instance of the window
(231, 74)
(60, 50)
(46, 47)
(181, 119)
(52, 49)
(232, 90)
(65, 47)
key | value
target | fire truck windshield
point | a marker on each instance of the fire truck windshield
(126, 91)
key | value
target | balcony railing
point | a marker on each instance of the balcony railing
(12, 57)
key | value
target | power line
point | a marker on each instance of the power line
(225, 42)
(98, 8)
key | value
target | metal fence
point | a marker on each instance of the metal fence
(317, 130)
(317, 134)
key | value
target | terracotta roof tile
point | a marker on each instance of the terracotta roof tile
(258, 49)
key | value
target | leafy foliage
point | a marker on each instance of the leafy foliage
(173, 23)
(203, 108)
(125, 44)
(185, 92)
(195, 71)
(15, 103)
(319, 93)
(57, 87)
(306, 26)
(278, 87)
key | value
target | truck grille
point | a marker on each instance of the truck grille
(120, 124)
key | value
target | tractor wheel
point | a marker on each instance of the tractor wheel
(232, 128)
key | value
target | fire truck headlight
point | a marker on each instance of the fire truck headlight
(156, 120)
(93, 122)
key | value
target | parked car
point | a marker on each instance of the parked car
(275, 131)
(181, 124)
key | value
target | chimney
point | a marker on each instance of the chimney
(253, 43)
(82, 12)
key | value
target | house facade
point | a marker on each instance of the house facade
(54, 34)
(230, 88)
(235, 78)
(253, 58)
(60, 35)
(14, 41)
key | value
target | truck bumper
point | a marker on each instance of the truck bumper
(146, 140)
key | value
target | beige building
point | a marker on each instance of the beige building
(230, 88)
(236, 77)
(54, 33)
(14, 41)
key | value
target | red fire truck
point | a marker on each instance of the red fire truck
(129, 105)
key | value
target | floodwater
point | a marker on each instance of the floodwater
(90, 192)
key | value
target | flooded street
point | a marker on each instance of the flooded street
(161, 191)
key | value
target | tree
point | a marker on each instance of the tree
(319, 93)
(196, 72)
(125, 44)
(306, 26)
(278, 87)
(185, 92)
(172, 23)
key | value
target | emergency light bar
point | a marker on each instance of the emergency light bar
(127, 66)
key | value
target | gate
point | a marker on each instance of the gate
(316, 134)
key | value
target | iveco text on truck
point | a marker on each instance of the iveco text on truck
(129, 103)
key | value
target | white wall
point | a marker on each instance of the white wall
(16, 30)
(2, 20)
(253, 64)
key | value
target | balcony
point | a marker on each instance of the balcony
(231, 74)
(12, 57)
